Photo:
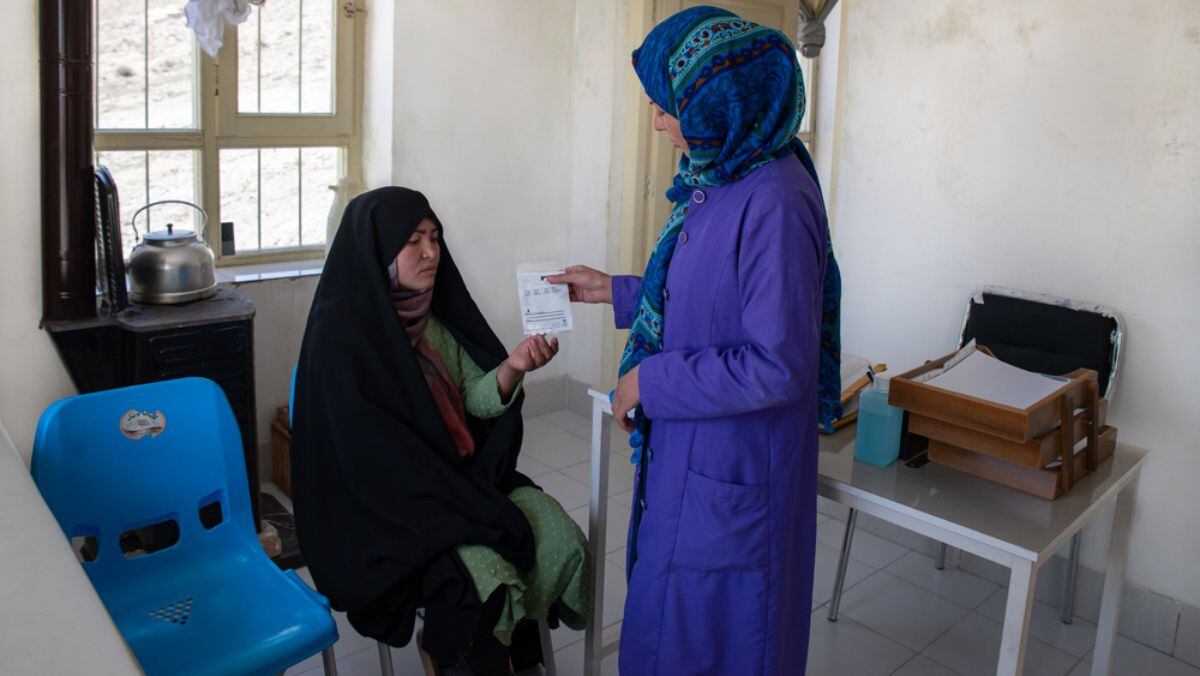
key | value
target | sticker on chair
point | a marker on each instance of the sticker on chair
(139, 424)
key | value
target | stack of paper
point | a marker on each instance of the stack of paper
(988, 378)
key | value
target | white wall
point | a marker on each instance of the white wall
(483, 125)
(281, 313)
(1047, 146)
(600, 58)
(31, 375)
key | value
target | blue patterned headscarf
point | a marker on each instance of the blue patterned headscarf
(738, 93)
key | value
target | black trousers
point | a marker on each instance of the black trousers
(488, 656)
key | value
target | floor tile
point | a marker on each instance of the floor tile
(620, 474)
(870, 549)
(613, 609)
(406, 661)
(530, 467)
(569, 421)
(920, 665)
(824, 570)
(620, 443)
(893, 533)
(1149, 618)
(617, 527)
(846, 647)
(832, 509)
(539, 427)
(557, 450)
(901, 611)
(973, 647)
(1081, 669)
(617, 557)
(569, 493)
(569, 659)
(1075, 639)
(1131, 658)
(1187, 643)
(956, 585)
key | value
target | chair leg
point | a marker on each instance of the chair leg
(940, 563)
(385, 658)
(329, 661)
(1067, 612)
(843, 560)
(547, 648)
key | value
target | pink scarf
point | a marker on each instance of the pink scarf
(413, 308)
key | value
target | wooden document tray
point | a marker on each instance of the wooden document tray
(1044, 483)
(1022, 441)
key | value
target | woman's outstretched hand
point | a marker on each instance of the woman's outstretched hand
(532, 354)
(587, 285)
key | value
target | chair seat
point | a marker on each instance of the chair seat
(230, 612)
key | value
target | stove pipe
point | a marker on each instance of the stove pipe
(68, 188)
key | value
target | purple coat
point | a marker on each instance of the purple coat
(723, 578)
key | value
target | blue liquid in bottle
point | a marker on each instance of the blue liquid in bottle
(878, 437)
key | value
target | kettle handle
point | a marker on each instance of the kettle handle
(203, 217)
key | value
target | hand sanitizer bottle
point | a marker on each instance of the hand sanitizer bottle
(878, 437)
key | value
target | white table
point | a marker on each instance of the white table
(51, 619)
(1017, 531)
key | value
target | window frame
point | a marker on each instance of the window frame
(222, 127)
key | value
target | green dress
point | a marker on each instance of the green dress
(559, 574)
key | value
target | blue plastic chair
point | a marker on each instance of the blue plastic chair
(211, 602)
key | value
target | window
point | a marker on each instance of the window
(255, 137)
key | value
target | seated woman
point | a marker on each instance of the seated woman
(406, 434)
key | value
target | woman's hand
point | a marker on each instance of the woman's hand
(626, 399)
(532, 354)
(586, 284)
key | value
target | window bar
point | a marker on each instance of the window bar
(146, 177)
(146, 64)
(258, 202)
(300, 193)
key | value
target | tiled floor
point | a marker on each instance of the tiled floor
(899, 615)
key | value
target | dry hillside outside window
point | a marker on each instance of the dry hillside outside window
(256, 136)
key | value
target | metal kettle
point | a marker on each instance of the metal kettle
(173, 265)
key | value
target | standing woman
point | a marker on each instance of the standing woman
(731, 363)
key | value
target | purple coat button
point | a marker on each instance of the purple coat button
(698, 197)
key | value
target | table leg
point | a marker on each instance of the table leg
(1114, 580)
(839, 580)
(1066, 611)
(597, 523)
(1015, 634)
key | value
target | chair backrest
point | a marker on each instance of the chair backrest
(121, 460)
(1046, 334)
